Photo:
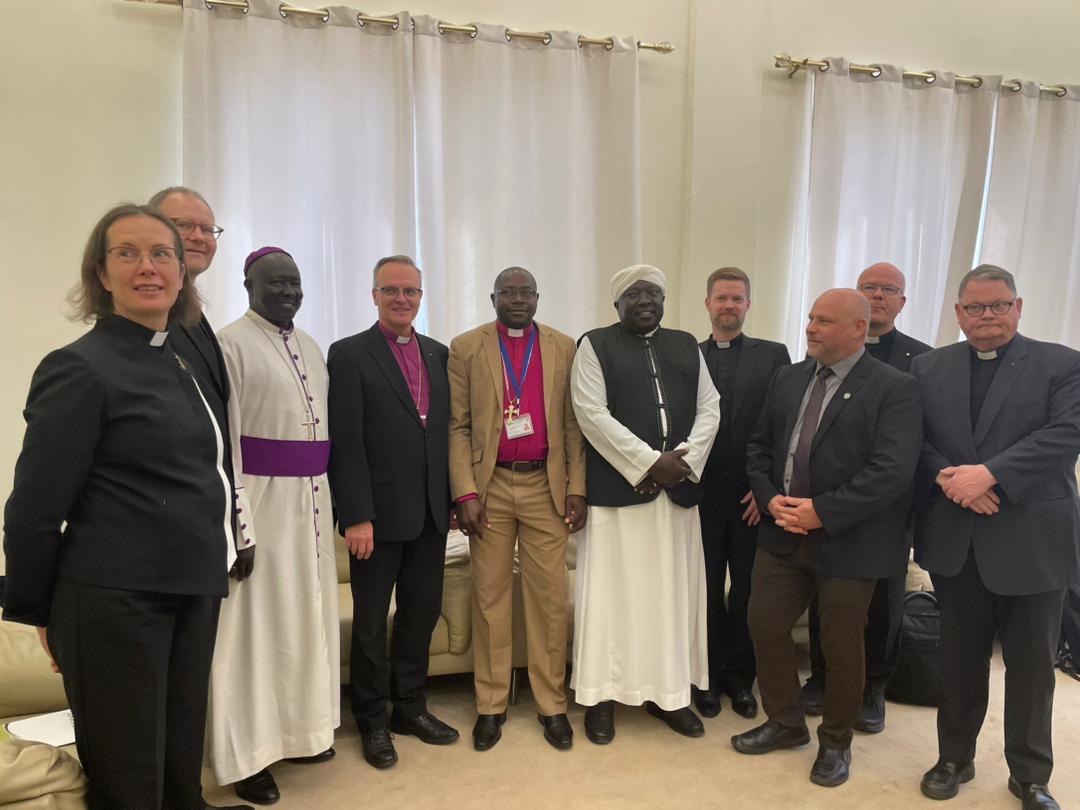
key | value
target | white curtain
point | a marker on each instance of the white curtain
(343, 143)
(896, 170)
(1032, 225)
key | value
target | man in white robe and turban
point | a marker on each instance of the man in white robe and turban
(649, 412)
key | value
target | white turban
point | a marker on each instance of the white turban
(627, 277)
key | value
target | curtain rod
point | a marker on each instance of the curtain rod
(786, 62)
(363, 19)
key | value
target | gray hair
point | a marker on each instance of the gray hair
(401, 258)
(987, 272)
(161, 196)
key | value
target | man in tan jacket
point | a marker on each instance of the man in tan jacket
(517, 473)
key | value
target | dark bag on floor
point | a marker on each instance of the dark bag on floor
(917, 677)
(1069, 646)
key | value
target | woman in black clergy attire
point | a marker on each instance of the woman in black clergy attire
(121, 446)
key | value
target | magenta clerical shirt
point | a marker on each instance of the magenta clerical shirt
(407, 353)
(534, 447)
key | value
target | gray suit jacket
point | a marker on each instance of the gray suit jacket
(1028, 436)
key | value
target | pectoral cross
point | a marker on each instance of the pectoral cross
(310, 424)
(513, 410)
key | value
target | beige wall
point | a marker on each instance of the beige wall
(90, 115)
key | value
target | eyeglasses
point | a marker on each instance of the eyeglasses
(412, 293)
(998, 308)
(510, 294)
(888, 290)
(186, 227)
(159, 256)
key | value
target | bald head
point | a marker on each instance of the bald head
(883, 285)
(837, 325)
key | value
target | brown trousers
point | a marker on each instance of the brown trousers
(780, 591)
(519, 508)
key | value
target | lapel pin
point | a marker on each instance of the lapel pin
(847, 395)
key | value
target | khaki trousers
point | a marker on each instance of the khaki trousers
(519, 507)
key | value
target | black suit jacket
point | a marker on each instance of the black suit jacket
(1028, 435)
(758, 361)
(862, 463)
(385, 466)
(904, 350)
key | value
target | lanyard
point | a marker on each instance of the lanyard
(508, 367)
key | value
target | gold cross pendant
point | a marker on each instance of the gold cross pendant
(512, 411)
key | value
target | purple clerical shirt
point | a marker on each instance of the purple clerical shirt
(534, 447)
(407, 352)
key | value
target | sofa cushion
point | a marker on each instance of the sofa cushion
(27, 683)
(35, 776)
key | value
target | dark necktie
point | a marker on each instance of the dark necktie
(800, 468)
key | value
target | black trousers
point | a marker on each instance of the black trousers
(378, 682)
(136, 669)
(1028, 627)
(882, 635)
(729, 551)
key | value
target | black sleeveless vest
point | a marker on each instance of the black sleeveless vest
(631, 399)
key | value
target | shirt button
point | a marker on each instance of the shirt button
(296, 357)
(316, 511)
(243, 525)
(311, 399)
(316, 420)
(303, 376)
(316, 488)
(247, 542)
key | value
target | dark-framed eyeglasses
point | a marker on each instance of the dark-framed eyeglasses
(161, 256)
(888, 290)
(998, 308)
(510, 293)
(412, 293)
(187, 227)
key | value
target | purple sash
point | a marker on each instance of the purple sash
(281, 458)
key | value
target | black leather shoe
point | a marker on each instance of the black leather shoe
(379, 748)
(707, 702)
(1033, 796)
(683, 720)
(769, 736)
(259, 788)
(813, 698)
(487, 731)
(944, 779)
(871, 719)
(427, 728)
(600, 722)
(557, 730)
(744, 703)
(314, 759)
(227, 807)
(832, 766)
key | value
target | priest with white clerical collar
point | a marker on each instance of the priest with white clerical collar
(275, 683)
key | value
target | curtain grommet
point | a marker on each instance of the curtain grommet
(931, 77)
(876, 72)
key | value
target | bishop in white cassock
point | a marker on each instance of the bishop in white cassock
(649, 411)
(275, 682)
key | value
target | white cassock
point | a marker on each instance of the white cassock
(275, 680)
(640, 612)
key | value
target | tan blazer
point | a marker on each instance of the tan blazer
(476, 413)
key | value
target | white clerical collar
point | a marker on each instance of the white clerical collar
(515, 332)
(872, 339)
(158, 339)
(400, 339)
(722, 344)
(990, 355)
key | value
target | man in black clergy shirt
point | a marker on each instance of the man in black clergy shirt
(389, 414)
(193, 218)
(741, 367)
(997, 522)
(831, 463)
(883, 285)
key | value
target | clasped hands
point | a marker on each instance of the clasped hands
(971, 487)
(666, 472)
(795, 515)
